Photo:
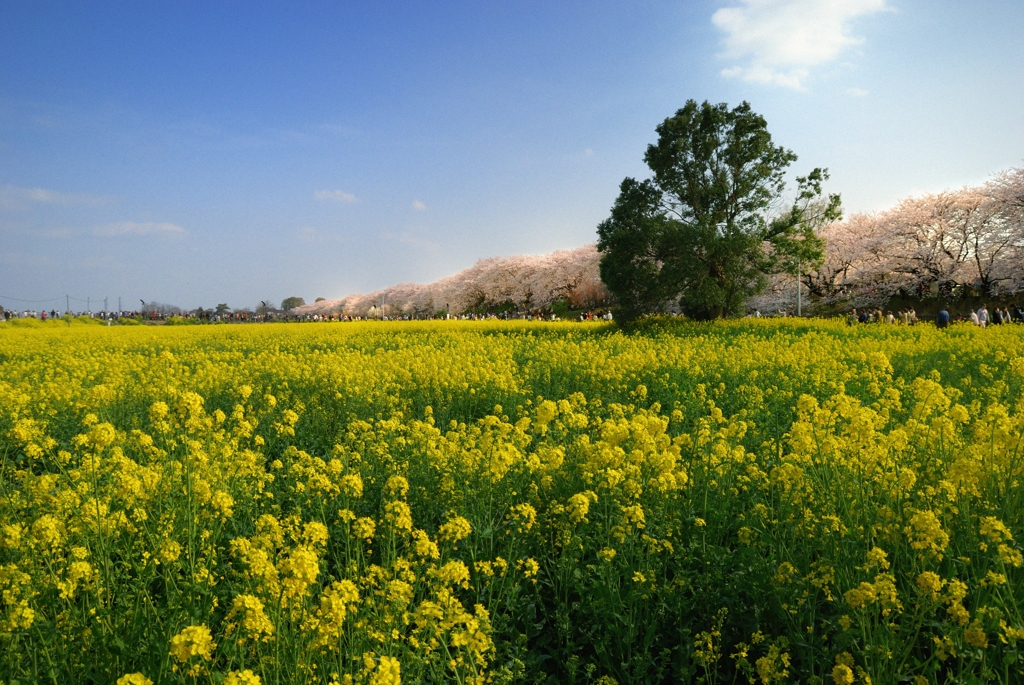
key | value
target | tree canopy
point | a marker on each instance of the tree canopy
(290, 303)
(706, 231)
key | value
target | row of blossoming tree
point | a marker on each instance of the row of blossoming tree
(947, 244)
(936, 245)
(525, 282)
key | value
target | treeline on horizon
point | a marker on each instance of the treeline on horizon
(943, 246)
(939, 245)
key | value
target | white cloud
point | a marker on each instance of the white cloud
(132, 228)
(14, 197)
(856, 92)
(780, 40)
(335, 196)
(419, 206)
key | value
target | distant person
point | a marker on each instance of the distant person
(942, 320)
(851, 318)
(983, 318)
(889, 318)
(975, 319)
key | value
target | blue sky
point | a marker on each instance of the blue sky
(196, 153)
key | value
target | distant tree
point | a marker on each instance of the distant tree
(704, 233)
(320, 299)
(221, 309)
(290, 303)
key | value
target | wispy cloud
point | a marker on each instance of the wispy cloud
(335, 196)
(419, 206)
(778, 41)
(409, 239)
(132, 228)
(856, 92)
(15, 197)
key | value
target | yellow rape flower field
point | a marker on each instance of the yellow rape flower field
(750, 501)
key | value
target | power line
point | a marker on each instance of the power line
(15, 299)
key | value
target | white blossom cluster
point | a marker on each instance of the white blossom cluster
(528, 282)
(966, 241)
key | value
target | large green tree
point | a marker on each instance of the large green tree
(709, 228)
(290, 303)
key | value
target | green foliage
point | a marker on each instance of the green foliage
(290, 303)
(702, 232)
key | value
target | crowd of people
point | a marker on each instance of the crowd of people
(907, 317)
(981, 317)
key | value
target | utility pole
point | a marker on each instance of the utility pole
(88, 304)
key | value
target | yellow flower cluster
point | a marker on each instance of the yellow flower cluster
(369, 503)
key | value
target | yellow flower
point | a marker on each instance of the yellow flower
(336, 602)
(994, 529)
(842, 675)
(223, 504)
(248, 611)
(785, 573)
(774, 666)
(245, 677)
(578, 507)
(975, 636)
(364, 528)
(398, 515)
(397, 486)
(134, 679)
(170, 550)
(192, 641)
(930, 584)
(456, 529)
(47, 530)
(606, 554)
(877, 557)
(352, 485)
(424, 546)
(546, 413)
(388, 672)
(926, 533)
(1010, 556)
(454, 573)
(299, 570)
(525, 516)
